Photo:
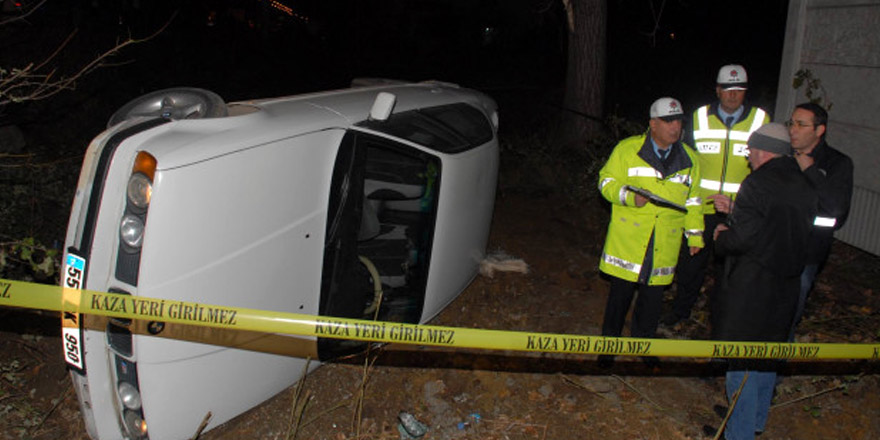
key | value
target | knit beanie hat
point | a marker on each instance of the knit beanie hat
(772, 137)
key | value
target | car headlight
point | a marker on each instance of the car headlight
(139, 190)
(129, 396)
(138, 196)
(135, 423)
(131, 231)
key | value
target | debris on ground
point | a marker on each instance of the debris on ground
(499, 261)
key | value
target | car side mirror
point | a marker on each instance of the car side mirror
(382, 106)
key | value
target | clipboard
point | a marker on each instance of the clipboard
(655, 199)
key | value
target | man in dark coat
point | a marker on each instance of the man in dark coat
(765, 241)
(831, 174)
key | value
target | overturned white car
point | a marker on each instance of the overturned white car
(317, 204)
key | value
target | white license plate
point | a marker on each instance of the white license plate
(71, 322)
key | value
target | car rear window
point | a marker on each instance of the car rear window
(449, 128)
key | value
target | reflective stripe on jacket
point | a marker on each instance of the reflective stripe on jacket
(723, 151)
(630, 230)
(832, 176)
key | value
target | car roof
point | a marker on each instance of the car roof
(354, 104)
(255, 122)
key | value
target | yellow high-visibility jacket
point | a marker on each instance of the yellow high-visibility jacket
(631, 229)
(723, 151)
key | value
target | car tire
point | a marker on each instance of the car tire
(175, 103)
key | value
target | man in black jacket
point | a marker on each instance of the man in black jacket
(831, 174)
(764, 242)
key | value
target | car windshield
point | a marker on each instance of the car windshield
(449, 128)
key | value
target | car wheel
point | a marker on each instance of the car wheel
(174, 103)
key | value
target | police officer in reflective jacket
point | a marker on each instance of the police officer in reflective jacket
(720, 132)
(651, 182)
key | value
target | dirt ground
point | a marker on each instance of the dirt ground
(474, 394)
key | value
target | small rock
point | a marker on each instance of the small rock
(410, 426)
(546, 390)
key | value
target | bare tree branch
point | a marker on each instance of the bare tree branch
(31, 83)
(57, 50)
(656, 16)
(23, 16)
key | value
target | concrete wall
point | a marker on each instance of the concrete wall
(839, 42)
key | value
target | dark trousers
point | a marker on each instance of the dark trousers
(691, 270)
(807, 278)
(646, 315)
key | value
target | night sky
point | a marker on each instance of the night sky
(694, 40)
(248, 49)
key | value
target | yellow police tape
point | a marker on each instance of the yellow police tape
(55, 298)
